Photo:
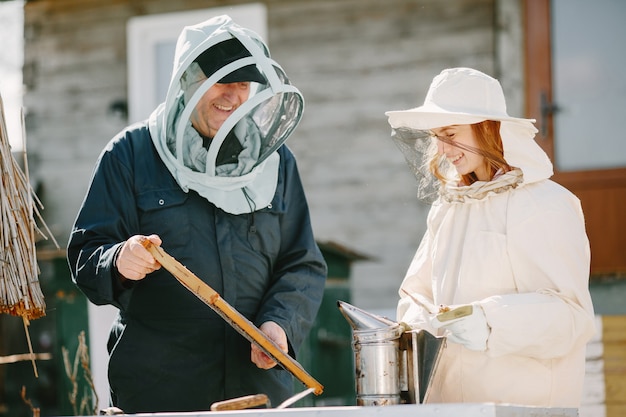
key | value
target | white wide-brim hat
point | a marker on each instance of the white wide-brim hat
(466, 96)
(457, 96)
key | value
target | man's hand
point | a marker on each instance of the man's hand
(275, 333)
(134, 261)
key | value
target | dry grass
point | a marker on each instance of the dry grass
(20, 293)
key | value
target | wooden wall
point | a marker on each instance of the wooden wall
(352, 59)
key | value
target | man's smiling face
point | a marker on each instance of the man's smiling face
(219, 102)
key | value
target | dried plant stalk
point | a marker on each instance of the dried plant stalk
(20, 293)
(89, 402)
(36, 410)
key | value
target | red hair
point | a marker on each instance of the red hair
(487, 135)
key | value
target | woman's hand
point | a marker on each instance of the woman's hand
(466, 325)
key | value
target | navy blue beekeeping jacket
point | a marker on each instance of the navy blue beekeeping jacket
(168, 350)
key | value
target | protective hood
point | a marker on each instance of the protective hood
(237, 169)
(467, 96)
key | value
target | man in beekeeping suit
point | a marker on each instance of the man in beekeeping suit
(206, 177)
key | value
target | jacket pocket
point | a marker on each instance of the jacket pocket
(265, 235)
(161, 199)
(164, 212)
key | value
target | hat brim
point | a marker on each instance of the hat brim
(426, 118)
(249, 73)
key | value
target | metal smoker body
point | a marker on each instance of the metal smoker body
(377, 363)
(393, 365)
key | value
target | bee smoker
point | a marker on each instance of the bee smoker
(392, 365)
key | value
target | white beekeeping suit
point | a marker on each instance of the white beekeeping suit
(513, 247)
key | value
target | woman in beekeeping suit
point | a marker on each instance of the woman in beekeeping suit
(208, 178)
(505, 247)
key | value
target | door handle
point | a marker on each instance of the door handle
(547, 109)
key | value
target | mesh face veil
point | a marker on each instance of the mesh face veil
(270, 114)
(240, 160)
(419, 147)
(459, 96)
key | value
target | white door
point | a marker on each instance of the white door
(151, 43)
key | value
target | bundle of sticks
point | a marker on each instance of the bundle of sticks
(20, 292)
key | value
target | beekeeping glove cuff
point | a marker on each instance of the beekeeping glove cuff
(470, 330)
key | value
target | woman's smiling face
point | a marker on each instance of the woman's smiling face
(464, 160)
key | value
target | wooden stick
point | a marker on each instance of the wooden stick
(246, 328)
(241, 403)
(30, 346)
(18, 357)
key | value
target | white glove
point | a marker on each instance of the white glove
(469, 330)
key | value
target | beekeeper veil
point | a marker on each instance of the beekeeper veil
(236, 169)
(464, 96)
